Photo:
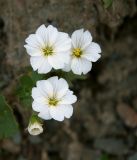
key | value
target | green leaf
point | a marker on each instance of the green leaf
(107, 3)
(104, 157)
(70, 77)
(8, 124)
(26, 81)
(36, 77)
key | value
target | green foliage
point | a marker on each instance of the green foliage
(34, 118)
(24, 90)
(70, 77)
(35, 77)
(107, 3)
(104, 157)
(8, 124)
(25, 85)
(26, 81)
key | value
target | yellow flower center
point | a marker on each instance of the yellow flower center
(53, 101)
(77, 52)
(47, 51)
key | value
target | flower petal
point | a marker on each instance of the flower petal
(36, 62)
(75, 66)
(33, 41)
(52, 34)
(80, 65)
(92, 52)
(81, 39)
(60, 86)
(55, 62)
(67, 67)
(32, 51)
(38, 96)
(40, 100)
(39, 107)
(63, 42)
(69, 98)
(36, 93)
(42, 35)
(68, 110)
(57, 113)
(45, 87)
(45, 114)
(76, 38)
(86, 40)
(53, 81)
(64, 57)
(45, 67)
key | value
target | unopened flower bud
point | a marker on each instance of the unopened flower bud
(35, 126)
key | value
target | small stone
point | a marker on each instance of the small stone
(44, 155)
(10, 146)
(21, 158)
(133, 157)
(111, 146)
(88, 154)
(75, 150)
(17, 138)
(135, 103)
(107, 117)
(128, 115)
(34, 139)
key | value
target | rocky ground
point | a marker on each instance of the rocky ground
(104, 124)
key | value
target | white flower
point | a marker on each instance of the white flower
(83, 52)
(53, 99)
(35, 128)
(48, 49)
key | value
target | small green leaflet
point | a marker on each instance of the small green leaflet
(24, 90)
(107, 3)
(8, 124)
(25, 85)
(70, 77)
(104, 157)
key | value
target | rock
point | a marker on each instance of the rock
(10, 146)
(133, 157)
(35, 139)
(135, 103)
(44, 155)
(111, 146)
(21, 158)
(108, 116)
(92, 131)
(2, 56)
(127, 114)
(17, 138)
(89, 154)
(74, 151)
(1, 23)
(78, 151)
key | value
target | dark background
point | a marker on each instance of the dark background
(104, 123)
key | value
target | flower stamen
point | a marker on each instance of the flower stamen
(77, 52)
(53, 101)
(47, 51)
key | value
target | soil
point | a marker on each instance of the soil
(104, 123)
